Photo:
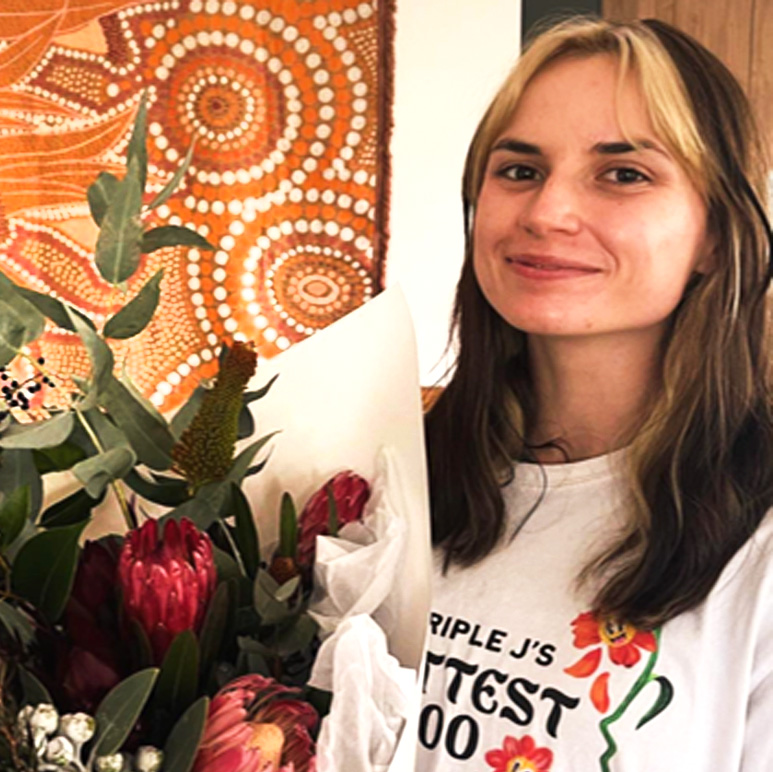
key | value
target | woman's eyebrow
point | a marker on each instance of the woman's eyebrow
(603, 148)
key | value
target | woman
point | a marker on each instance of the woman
(601, 461)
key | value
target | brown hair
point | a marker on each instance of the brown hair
(700, 471)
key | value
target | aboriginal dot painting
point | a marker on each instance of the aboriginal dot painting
(290, 104)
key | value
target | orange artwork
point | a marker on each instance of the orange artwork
(289, 102)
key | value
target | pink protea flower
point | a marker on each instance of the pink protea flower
(167, 583)
(255, 725)
(350, 492)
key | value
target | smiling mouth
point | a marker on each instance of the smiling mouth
(537, 268)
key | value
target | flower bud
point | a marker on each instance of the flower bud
(148, 759)
(60, 751)
(78, 727)
(44, 719)
(23, 719)
(113, 763)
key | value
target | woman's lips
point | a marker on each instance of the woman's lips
(548, 267)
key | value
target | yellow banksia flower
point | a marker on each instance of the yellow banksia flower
(204, 453)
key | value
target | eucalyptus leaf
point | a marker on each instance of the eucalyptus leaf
(12, 332)
(271, 610)
(118, 245)
(252, 396)
(168, 491)
(179, 677)
(148, 433)
(184, 739)
(102, 361)
(97, 472)
(39, 434)
(15, 306)
(16, 623)
(245, 532)
(134, 317)
(14, 513)
(72, 509)
(288, 527)
(57, 550)
(99, 195)
(183, 417)
(119, 710)
(54, 309)
(297, 637)
(59, 458)
(173, 236)
(17, 468)
(176, 179)
(137, 151)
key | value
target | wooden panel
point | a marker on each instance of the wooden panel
(761, 81)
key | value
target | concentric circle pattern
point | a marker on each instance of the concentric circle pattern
(280, 101)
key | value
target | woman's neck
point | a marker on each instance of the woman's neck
(591, 394)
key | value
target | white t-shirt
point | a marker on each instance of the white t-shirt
(521, 678)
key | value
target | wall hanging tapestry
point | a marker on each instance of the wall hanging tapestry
(289, 103)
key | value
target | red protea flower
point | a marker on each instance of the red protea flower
(254, 725)
(167, 583)
(350, 493)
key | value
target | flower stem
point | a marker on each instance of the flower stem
(119, 494)
(646, 676)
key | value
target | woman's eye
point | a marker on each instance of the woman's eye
(625, 175)
(517, 172)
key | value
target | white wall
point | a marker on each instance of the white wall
(450, 57)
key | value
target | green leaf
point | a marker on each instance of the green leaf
(205, 507)
(147, 431)
(173, 236)
(73, 509)
(53, 309)
(100, 355)
(271, 600)
(176, 179)
(183, 417)
(288, 527)
(246, 425)
(214, 626)
(119, 711)
(183, 741)
(178, 680)
(134, 317)
(97, 472)
(14, 513)
(17, 468)
(57, 550)
(169, 491)
(58, 459)
(33, 689)
(251, 396)
(297, 637)
(245, 532)
(99, 195)
(665, 696)
(11, 337)
(39, 434)
(20, 321)
(242, 462)
(137, 152)
(16, 623)
(118, 245)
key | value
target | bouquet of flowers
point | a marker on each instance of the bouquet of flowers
(188, 642)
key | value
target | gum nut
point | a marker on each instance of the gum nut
(44, 719)
(78, 727)
(113, 763)
(148, 759)
(60, 751)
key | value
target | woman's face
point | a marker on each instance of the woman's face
(576, 232)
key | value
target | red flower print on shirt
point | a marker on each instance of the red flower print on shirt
(520, 756)
(623, 644)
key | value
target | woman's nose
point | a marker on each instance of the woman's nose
(554, 205)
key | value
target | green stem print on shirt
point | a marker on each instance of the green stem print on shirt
(623, 644)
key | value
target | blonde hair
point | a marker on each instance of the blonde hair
(699, 462)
